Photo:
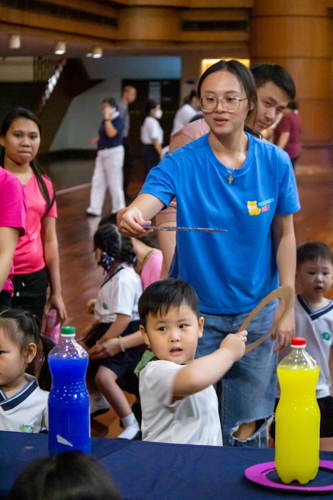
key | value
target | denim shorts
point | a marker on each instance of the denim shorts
(248, 388)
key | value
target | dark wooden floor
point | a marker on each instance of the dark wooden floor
(81, 278)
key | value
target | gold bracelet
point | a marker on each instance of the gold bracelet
(121, 343)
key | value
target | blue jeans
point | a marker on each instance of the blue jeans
(248, 388)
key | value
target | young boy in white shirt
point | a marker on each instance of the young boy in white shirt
(179, 403)
(314, 322)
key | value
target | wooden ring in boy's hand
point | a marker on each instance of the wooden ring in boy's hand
(283, 292)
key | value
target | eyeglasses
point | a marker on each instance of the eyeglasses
(230, 104)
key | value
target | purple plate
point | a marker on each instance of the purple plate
(258, 474)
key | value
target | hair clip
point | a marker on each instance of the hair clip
(105, 261)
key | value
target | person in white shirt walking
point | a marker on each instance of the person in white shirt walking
(185, 114)
(152, 135)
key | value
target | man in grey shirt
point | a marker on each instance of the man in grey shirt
(128, 96)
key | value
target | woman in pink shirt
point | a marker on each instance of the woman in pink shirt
(12, 225)
(36, 258)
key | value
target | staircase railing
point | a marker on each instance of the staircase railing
(49, 71)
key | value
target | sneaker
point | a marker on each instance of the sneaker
(91, 214)
(98, 405)
(131, 435)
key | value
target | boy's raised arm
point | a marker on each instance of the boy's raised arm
(139, 213)
(205, 371)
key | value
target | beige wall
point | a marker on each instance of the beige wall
(17, 69)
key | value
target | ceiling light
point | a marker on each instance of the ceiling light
(60, 48)
(14, 41)
(97, 52)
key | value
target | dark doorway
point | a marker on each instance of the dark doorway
(164, 91)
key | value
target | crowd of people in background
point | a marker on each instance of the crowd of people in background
(174, 343)
(155, 338)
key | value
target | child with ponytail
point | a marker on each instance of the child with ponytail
(116, 315)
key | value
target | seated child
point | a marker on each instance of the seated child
(116, 313)
(28, 411)
(149, 259)
(314, 321)
(179, 403)
(67, 476)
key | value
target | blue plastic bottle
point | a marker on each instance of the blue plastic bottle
(69, 404)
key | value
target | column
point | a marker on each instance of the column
(296, 34)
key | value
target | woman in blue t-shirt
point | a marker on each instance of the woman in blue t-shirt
(109, 161)
(230, 179)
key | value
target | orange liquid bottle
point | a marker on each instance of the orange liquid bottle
(297, 416)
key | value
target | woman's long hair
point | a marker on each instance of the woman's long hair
(38, 172)
(245, 78)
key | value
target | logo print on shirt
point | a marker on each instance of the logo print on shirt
(26, 428)
(255, 208)
(326, 335)
(252, 208)
(105, 305)
(266, 202)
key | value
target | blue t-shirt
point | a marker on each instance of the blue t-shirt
(105, 142)
(231, 272)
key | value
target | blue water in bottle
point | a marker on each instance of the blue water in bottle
(69, 404)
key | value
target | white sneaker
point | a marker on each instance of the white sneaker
(98, 404)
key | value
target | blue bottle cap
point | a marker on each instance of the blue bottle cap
(68, 331)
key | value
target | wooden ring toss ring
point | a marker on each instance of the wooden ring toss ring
(285, 292)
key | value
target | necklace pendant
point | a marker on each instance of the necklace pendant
(230, 179)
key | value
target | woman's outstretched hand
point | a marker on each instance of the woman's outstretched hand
(131, 222)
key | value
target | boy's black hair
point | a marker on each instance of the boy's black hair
(67, 476)
(268, 72)
(313, 250)
(21, 327)
(119, 246)
(161, 295)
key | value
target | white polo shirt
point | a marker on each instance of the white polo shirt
(27, 411)
(119, 294)
(183, 117)
(151, 130)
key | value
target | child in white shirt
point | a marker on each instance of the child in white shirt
(23, 405)
(116, 315)
(179, 403)
(314, 322)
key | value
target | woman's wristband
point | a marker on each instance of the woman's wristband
(121, 343)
